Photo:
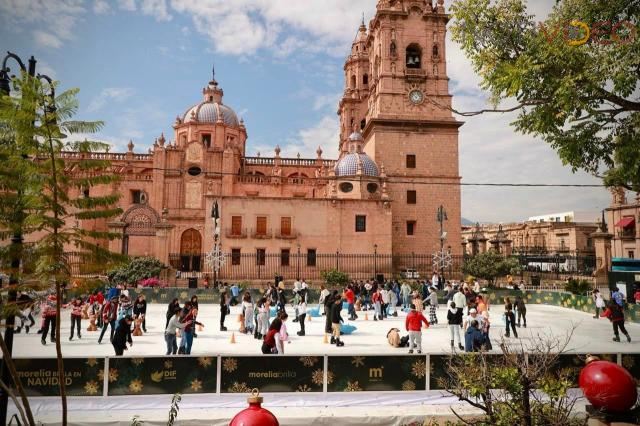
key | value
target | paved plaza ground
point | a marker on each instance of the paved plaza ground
(590, 335)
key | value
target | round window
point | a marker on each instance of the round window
(346, 187)
(372, 187)
(194, 171)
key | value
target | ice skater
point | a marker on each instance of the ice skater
(263, 318)
(413, 324)
(224, 309)
(454, 318)
(433, 305)
(170, 335)
(598, 301)
(521, 309)
(122, 335)
(25, 304)
(272, 343)
(509, 318)
(140, 311)
(109, 317)
(49, 316)
(76, 305)
(616, 315)
(302, 311)
(247, 312)
(336, 320)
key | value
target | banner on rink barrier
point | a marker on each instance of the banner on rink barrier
(376, 373)
(162, 375)
(82, 376)
(272, 374)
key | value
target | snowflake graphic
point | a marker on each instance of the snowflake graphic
(317, 377)
(204, 361)
(136, 386)
(330, 377)
(303, 388)
(230, 365)
(215, 258)
(137, 361)
(113, 375)
(441, 259)
(168, 365)
(408, 386)
(91, 387)
(352, 387)
(196, 385)
(418, 369)
(92, 362)
(309, 361)
(357, 361)
(239, 388)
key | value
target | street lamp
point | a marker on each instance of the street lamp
(441, 217)
(298, 264)
(375, 262)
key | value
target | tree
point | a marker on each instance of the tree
(58, 195)
(335, 278)
(136, 270)
(522, 386)
(490, 265)
(574, 83)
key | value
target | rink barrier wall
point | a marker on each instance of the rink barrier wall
(540, 297)
(220, 374)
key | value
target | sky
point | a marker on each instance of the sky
(141, 63)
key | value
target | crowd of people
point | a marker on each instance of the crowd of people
(467, 314)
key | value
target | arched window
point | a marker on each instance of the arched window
(365, 79)
(436, 51)
(393, 51)
(353, 82)
(414, 56)
(363, 124)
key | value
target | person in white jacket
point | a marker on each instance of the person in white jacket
(324, 293)
(385, 301)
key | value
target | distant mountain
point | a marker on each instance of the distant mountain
(466, 222)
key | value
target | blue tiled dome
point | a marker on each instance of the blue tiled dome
(208, 112)
(348, 165)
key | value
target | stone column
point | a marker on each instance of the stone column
(602, 244)
(115, 245)
(161, 241)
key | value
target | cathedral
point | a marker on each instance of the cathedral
(397, 164)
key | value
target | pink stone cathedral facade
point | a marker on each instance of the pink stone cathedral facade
(397, 163)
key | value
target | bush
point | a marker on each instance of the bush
(335, 278)
(152, 283)
(136, 270)
(578, 287)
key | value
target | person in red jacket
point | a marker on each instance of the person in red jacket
(49, 316)
(350, 296)
(616, 315)
(413, 324)
(109, 316)
(76, 315)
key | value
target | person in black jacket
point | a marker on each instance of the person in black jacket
(336, 319)
(454, 318)
(25, 304)
(122, 335)
(224, 309)
(174, 306)
(328, 303)
(509, 318)
(140, 310)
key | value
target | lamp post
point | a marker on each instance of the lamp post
(17, 238)
(441, 217)
(375, 262)
(298, 264)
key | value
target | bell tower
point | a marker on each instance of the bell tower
(409, 127)
(353, 105)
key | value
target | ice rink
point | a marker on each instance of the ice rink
(590, 335)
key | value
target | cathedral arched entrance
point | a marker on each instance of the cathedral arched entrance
(191, 251)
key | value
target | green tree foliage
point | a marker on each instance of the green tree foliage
(335, 278)
(580, 97)
(490, 265)
(55, 195)
(136, 270)
(580, 287)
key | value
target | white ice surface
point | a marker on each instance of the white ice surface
(590, 336)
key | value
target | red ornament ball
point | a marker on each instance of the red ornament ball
(608, 386)
(255, 415)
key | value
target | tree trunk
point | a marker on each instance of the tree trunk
(6, 356)
(526, 400)
(58, 254)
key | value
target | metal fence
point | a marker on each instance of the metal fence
(260, 265)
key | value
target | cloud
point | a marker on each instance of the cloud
(110, 94)
(129, 5)
(155, 8)
(101, 7)
(55, 20)
(45, 39)
(324, 134)
(243, 27)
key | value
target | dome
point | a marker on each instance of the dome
(356, 137)
(348, 165)
(208, 112)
